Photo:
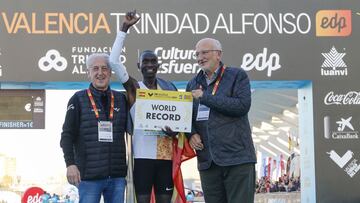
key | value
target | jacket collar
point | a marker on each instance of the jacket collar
(97, 92)
(201, 76)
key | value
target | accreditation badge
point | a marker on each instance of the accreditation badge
(203, 113)
(105, 131)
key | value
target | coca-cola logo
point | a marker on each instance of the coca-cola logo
(32, 195)
(350, 98)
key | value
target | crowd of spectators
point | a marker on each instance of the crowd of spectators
(283, 184)
(55, 198)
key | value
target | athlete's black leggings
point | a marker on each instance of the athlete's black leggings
(152, 173)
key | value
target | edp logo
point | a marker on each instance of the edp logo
(334, 22)
(261, 61)
(331, 23)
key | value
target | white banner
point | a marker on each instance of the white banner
(156, 109)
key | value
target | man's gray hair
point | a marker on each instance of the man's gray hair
(216, 44)
(90, 60)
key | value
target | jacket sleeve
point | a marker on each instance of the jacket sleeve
(116, 65)
(70, 131)
(238, 104)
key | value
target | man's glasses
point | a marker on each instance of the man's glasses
(205, 52)
(97, 68)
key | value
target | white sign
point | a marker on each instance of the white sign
(156, 109)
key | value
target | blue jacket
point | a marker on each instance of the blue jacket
(226, 135)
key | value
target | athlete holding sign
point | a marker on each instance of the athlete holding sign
(152, 150)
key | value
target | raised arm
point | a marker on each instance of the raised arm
(129, 83)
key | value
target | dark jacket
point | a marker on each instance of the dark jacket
(79, 139)
(165, 85)
(226, 135)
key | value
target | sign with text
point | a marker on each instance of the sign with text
(22, 109)
(156, 109)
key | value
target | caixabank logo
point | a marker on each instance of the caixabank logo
(333, 23)
(344, 129)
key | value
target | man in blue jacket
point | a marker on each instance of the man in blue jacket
(221, 133)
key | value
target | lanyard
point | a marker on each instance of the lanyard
(94, 105)
(218, 80)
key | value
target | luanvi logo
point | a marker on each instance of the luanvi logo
(333, 60)
(52, 60)
(333, 23)
(352, 167)
(344, 130)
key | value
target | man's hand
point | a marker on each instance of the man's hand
(195, 142)
(129, 20)
(197, 94)
(169, 132)
(73, 175)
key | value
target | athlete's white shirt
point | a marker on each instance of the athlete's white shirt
(148, 146)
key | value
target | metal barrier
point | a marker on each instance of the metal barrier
(278, 197)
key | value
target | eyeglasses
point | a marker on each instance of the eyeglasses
(204, 52)
(97, 68)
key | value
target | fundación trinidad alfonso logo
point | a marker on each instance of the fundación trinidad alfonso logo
(334, 64)
(333, 23)
(346, 162)
(52, 60)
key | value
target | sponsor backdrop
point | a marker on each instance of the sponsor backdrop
(317, 41)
